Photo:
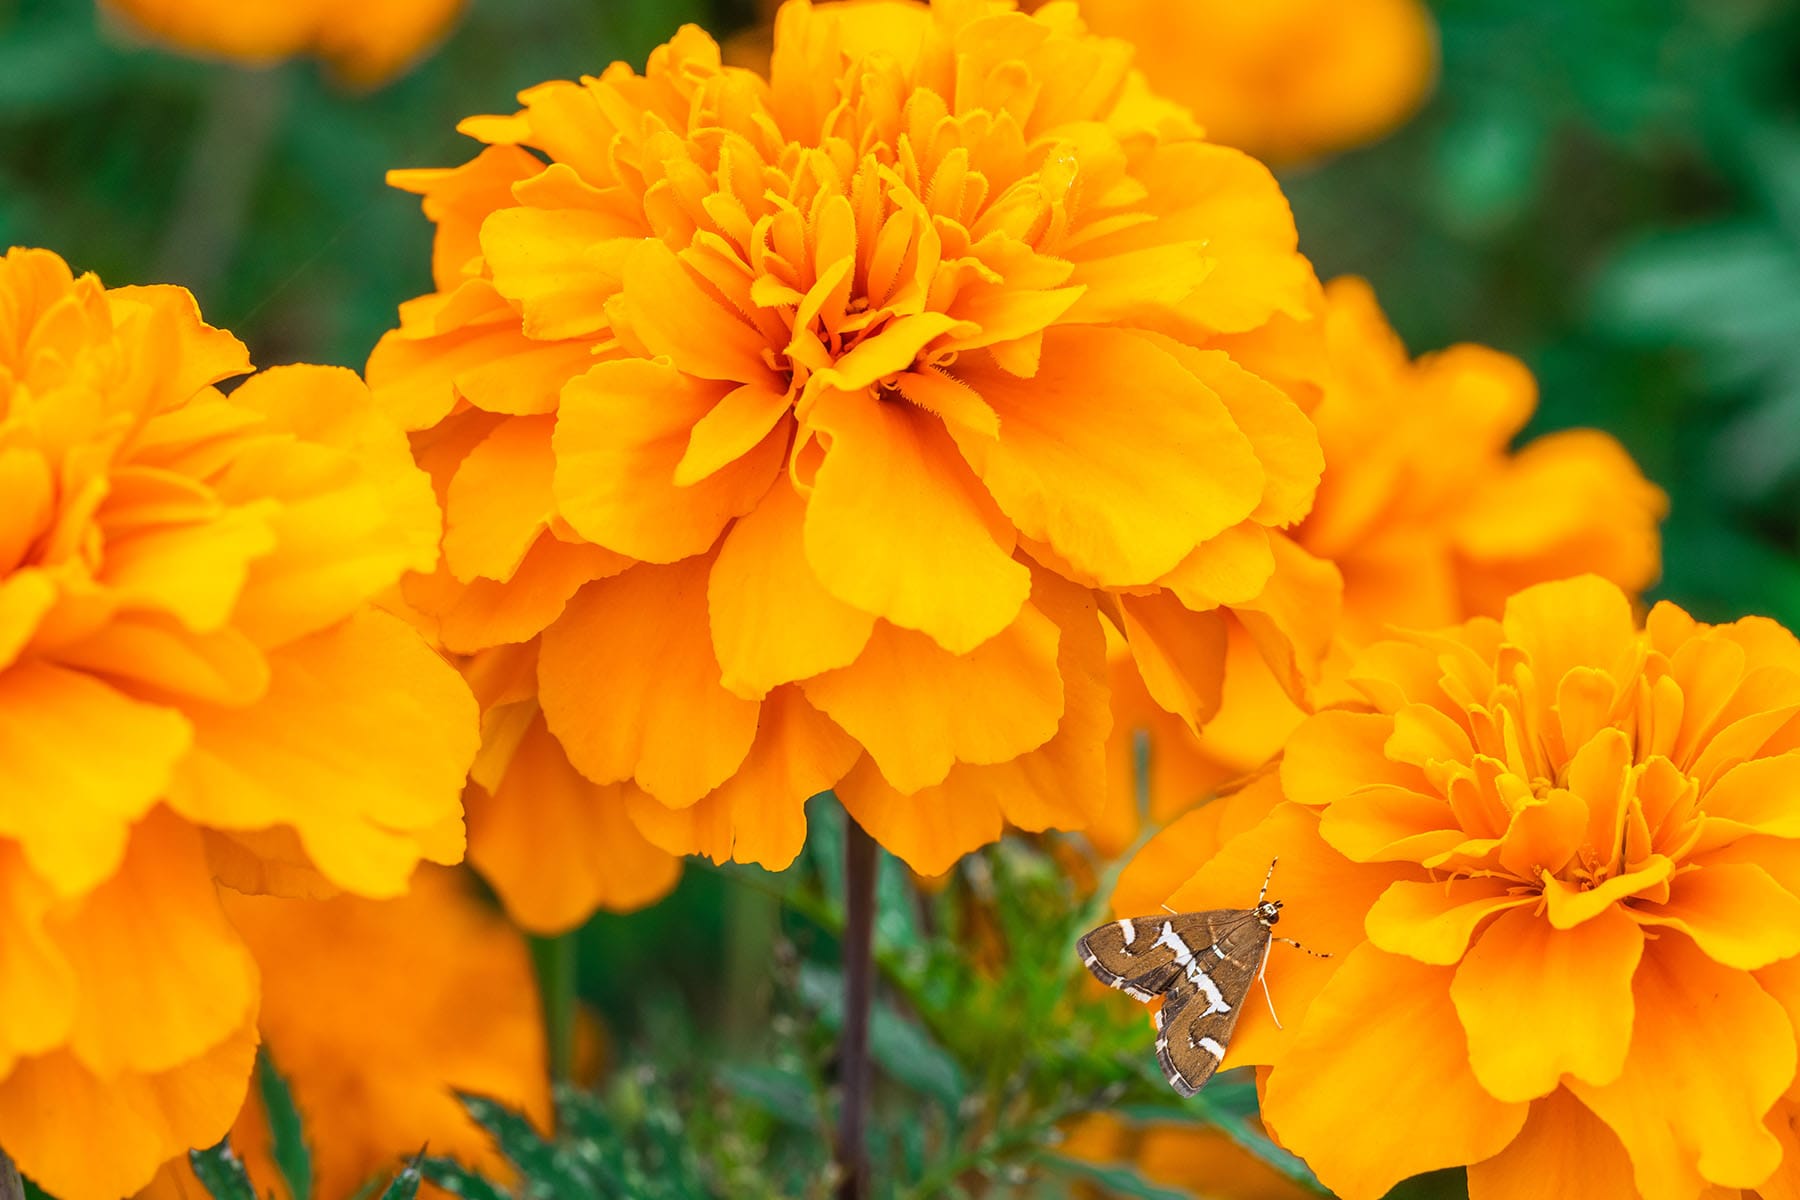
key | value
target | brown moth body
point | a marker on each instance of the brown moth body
(1204, 963)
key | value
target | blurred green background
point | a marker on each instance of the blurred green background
(1608, 188)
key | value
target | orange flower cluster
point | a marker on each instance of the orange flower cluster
(796, 433)
(377, 1013)
(184, 579)
(1557, 859)
(1283, 79)
(1430, 518)
(367, 42)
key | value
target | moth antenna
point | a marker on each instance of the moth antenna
(1302, 949)
(1262, 977)
(1266, 878)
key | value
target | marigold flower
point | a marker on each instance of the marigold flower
(1199, 1160)
(367, 42)
(810, 424)
(1282, 79)
(1557, 859)
(183, 586)
(376, 1013)
(1430, 517)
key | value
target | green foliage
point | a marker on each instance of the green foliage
(221, 1172)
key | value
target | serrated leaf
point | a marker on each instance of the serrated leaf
(221, 1172)
(544, 1170)
(459, 1180)
(405, 1185)
(1117, 1180)
(287, 1142)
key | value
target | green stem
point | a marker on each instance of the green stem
(859, 996)
(556, 964)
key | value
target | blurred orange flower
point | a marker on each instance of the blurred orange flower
(1557, 859)
(367, 42)
(1430, 518)
(811, 425)
(1200, 1160)
(1282, 79)
(184, 579)
(377, 1013)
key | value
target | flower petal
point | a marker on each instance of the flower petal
(1433, 922)
(366, 786)
(621, 431)
(1334, 753)
(1563, 1150)
(627, 676)
(1710, 1054)
(1390, 1018)
(1179, 654)
(899, 527)
(919, 709)
(1538, 1002)
(164, 975)
(928, 830)
(1710, 905)
(1125, 490)
(68, 808)
(500, 500)
(772, 621)
(759, 814)
(37, 986)
(148, 1118)
(557, 847)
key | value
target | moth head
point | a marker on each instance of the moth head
(1269, 911)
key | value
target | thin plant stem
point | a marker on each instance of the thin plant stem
(859, 982)
(556, 964)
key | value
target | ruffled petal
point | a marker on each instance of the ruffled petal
(627, 675)
(1434, 922)
(918, 709)
(557, 847)
(759, 814)
(1709, 905)
(368, 787)
(1123, 491)
(772, 621)
(1390, 1018)
(928, 830)
(620, 433)
(898, 526)
(1710, 1054)
(1563, 1150)
(1538, 1002)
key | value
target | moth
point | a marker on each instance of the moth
(1203, 963)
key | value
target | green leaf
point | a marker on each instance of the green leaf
(221, 1172)
(458, 1180)
(1438, 1185)
(1115, 1179)
(287, 1142)
(784, 1095)
(405, 1185)
(899, 1047)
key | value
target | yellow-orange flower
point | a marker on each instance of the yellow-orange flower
(810, 424)
(377, 1012)
(192, 689)
(1557, 859)
(1282, 79)
(1430, 517)
(1200, 1160)
(367, 42)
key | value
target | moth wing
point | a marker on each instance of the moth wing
(1192, 1039)
(1138, 955)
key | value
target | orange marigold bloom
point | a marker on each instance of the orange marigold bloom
(809, 425)
(367, 42)
(184, 579)
(377, 1013)
(1430, 517)
(1199, 1160)
(1557, 859)
(1282, 79)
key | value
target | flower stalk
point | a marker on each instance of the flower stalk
(11, 1186)
(859, 980)
(557, 964)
